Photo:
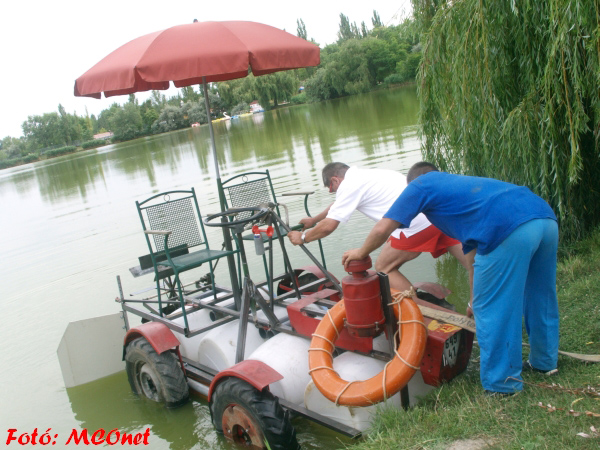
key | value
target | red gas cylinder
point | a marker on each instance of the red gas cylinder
(362, 299)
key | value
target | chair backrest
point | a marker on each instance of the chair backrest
(175, 211)
(248, 189)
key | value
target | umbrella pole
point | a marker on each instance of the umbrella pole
(226, 236)
(212, 135)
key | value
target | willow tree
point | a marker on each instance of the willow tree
(511, 90)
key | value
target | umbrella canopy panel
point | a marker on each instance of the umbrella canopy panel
(185, 54)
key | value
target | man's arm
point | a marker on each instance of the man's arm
(324, 228)
(376, 238)
(310, 222)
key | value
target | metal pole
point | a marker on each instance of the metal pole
(226, 236)
(311, 256)
(210, 128)
(390, 327)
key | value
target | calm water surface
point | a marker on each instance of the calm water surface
(69, 226)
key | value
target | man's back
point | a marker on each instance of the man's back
(372, 192)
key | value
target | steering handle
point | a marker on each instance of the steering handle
(260, 212)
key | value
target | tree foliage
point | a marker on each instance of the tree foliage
(301, 29)
(353, 66)
(376, 20)
(510, 90)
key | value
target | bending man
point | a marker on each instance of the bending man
(372, 192)
(515, 236)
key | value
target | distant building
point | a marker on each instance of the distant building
(104, 136)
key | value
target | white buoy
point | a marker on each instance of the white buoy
(217, 349)
(196, 320)
(288, 355)
(353, 367)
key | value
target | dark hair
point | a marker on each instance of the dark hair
(420, 168)
(334, 169)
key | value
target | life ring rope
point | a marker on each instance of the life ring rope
(398, 299)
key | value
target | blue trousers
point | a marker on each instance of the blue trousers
(517, 279)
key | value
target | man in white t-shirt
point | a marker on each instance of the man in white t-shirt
(372, 192)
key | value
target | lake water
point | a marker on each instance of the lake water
(69, 226)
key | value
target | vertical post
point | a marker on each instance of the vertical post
(390, 327)
(210, 128)
(122, 300)
(226, 236)
(243, 324)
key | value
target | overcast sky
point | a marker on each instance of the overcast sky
(46, 45)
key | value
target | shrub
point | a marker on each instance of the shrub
(60, 151)
(394, 78)
(95, 143)
(30, 157)
(298, 99)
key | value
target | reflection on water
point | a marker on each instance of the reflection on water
(69, 226)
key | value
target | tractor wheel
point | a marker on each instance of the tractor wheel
(154, 376)
(251, 417)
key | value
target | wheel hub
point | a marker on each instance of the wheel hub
(241, 428)
(149, 384)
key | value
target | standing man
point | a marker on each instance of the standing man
(515, 236)
(372, 192)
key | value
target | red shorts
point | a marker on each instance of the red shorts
(429, 240)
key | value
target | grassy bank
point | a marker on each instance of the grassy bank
(459, 411)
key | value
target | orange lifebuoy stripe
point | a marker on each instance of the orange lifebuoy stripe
(397, 374)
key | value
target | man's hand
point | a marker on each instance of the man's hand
(295, 237)
(352, 255)
(470, 313)
(308, 222)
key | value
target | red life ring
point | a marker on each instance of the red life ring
(385, 384)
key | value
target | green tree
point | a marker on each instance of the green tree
(11, 147)
(301, 29)
(363, 30)
(346, 30)
(149, 117)
(127, 122)
(69, 126)
(105, 117)
(170, 118)
(510, 90)
(86, 128)
(276, 87)
(197, 113)
(43, 131)
(189, 94)
(235, 91)
(376, 21)
(158, 100)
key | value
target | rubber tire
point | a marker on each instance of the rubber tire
(262, 406)
(156, 377)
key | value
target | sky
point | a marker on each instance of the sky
(46, 45)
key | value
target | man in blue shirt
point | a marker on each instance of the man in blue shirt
(512, 235)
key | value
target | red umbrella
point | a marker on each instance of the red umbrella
(185, 54)
(196, 53)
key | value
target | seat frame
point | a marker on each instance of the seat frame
(252, 189)
(176, 226)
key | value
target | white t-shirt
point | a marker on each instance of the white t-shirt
(372, 192)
